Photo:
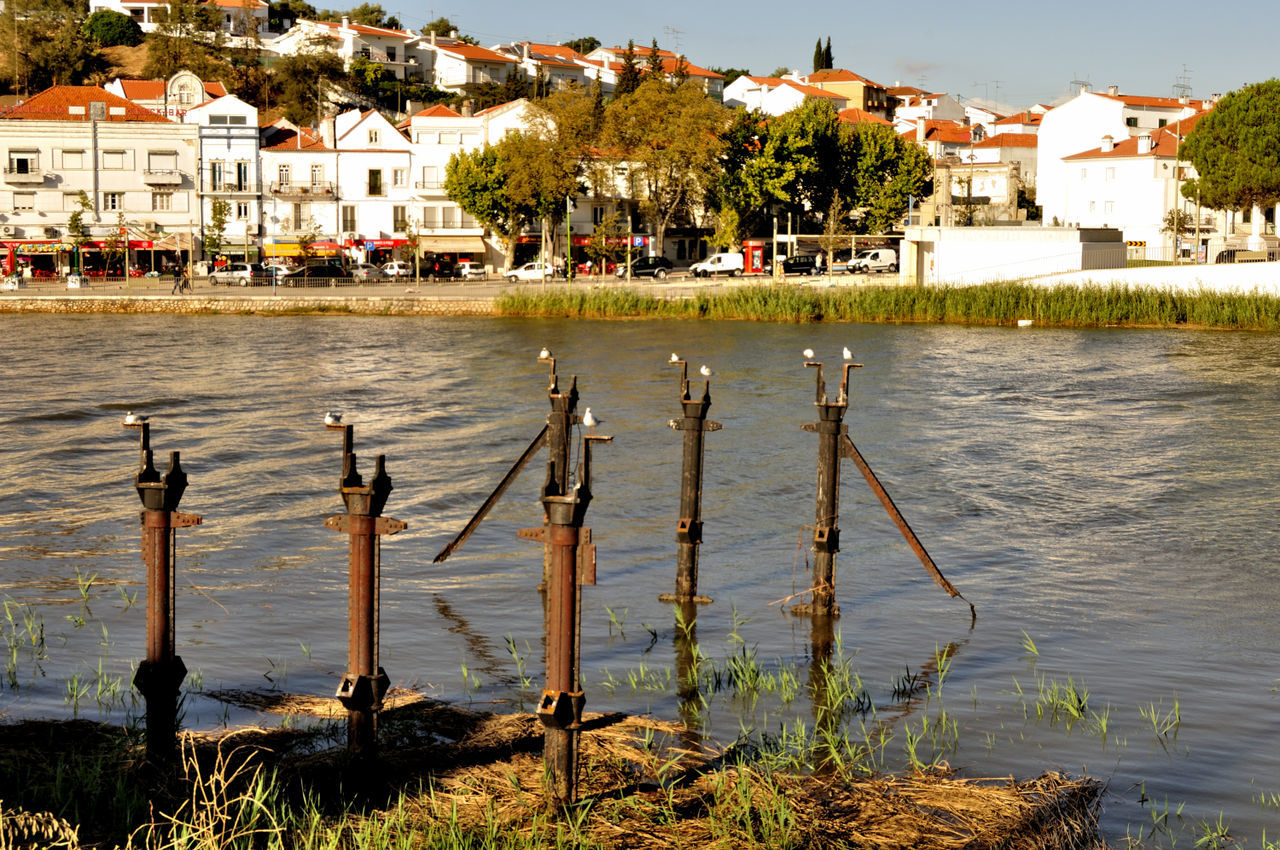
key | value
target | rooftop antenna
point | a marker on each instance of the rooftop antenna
(672, 35)
(1182, 83)
(1078, 85)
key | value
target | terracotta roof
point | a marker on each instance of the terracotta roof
(287, 139)
(57, 103)
(437, 111)
(475, 53)
(366, 30)
(1164, 142)
(154, 89)
(945, 132)
(236, 4)
(1010, 140)
(1022, 118)
(808, 91)
(839, 75)
(560, 51)
(853, 115)
(904, 91)
(1160, 102)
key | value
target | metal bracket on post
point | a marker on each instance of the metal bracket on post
(694, 424)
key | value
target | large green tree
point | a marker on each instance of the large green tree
(1235, 148)
(674, 161)
(476, 181)
(301, 77)
(629, 76)
(188, 36)
(109, 28)
(886, 170)
(45, 44)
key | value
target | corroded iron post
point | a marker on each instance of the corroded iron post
(694, 424)
(830, 428)
(160, 674)
(365, 682)
(573, 564)
(559, 440)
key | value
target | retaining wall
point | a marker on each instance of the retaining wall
(191, 304)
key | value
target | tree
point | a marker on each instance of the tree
(817, 56)
(214, 232)
(367, 76)
(629, 76)
(301, 77)
(77, 230)
(443, 26)
(47, 45)
(1235, 148)
(583, 45)
(476, 181)
(653, 62)
(282, 10)
(731, 74)
(886, 172)
(828, 61)
(371, 15)
(608, 241)
(1177, 222)
(675, 159)
(188, 36)
(109, 28)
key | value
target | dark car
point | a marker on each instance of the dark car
(313, 275)
(433, 267)
(656, 267)
(801, 265)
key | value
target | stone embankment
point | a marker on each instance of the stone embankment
(374, 305)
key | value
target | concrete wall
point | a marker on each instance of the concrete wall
(187, 304)
(970, 255)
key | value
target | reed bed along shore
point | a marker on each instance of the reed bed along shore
(1066, 306)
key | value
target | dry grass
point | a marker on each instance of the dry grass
(126, 62)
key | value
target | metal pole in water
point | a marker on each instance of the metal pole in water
(830, 428)
(160, 674)
(365, 682)
(694, 424)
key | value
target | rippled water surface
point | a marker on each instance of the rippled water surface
(1106, 497)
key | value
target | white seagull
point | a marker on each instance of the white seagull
(675, 358)
(848, 355)
(808, 354)
(704, 371)
(131, 418)
(589, 419)
(332, 418)
(544, 354)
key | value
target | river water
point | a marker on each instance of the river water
(1104, 498)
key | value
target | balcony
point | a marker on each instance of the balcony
(162, 177)
(24, 175)
(430, 188)
(228, 187)
(320, 191)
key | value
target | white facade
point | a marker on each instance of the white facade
(974, 255)
(236, 15)
(374, 178)
(135, 168)
(931, 106)
(299, 179)
(776, 96)
(1079, 125)
(395, 50)
(230, 170)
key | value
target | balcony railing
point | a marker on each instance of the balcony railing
(302, 190)
(162, 177)
(23, 175)
(228, 187)
(429, 187)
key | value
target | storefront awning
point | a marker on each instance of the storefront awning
(452, 244)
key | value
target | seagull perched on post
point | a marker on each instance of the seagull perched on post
(544, 354)
(332, 418)
(131, 418)
(808, 354)
(704, 371)
(675, 358)
(590, 419)
(848, 355)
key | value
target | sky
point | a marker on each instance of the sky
(1012, 55)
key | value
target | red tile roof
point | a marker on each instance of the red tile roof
(560, 51)
(475, 53)
(853, 115)
(808, 91)
(286, 139)
(839, 75)
(1159, 102)
(1164, 142)
(1028, 118)
(437, 111)
(945, 132)
(236, 4)
(56, 104)
(384, 32)
(154, 89)
(1010, 140)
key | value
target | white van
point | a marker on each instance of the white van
(874, 260)
(730, 264)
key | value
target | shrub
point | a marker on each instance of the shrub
(109, 28)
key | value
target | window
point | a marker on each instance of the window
(72, 159)
(449, 216)
(113, 200)
(430, 177)
(399, 222)
(471, 140)
(597, 216)
(317, 174)
(1084, 174)
(1109, 207)
(301, 216)
(283, 174)
(680, 249)
(400, 177)
(1111, 175)
(1093, 206)
(374, 137)
(162, 161)
(375, 182)
(242, 210)
(349, 218)
(70, 201)
(218, 119)
(467, 220)
(242, 176)
(430, 216)
(1131, 121)
(24, 201)
(161, 201)
(216, 176)
(448, 138)
(24, 162)
(425, 138)
(113, 159)
(1162, 122)
(391, 54)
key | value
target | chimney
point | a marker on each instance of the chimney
(328, 131)
(346, 22)
(433, 38)
(466, 108)
(1084, 87)
(1184, 100)
(1144, 143)
(453, 34)
(920, 131)
(1113, 90)
(526, 51)
(1108, 144)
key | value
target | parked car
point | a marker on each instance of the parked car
(656, 267)
(365, 271)
(433, 267)
(311, 275)
(1242, 255)
(240, 274)
(806, 264)
(874, 260)
(276, 270)
(471, 270)
(397, 268)
(530, 271)
(730, 264)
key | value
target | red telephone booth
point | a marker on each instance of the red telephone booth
(753, 255)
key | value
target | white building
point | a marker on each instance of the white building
(230, 170)
(1080, 124)
(912, 104)
(137, 170)
(236, 15)
(394, 49)
(170, 98)
(777, 95)
(551, 65)
(455, 63)
(300, 195)
(605, 64)
(373, 163)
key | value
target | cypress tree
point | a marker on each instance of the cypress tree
(827, 60)
(817, 56)
(629, 76)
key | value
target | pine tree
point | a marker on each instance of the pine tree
(653, 64)
(629, 76)
(827, 60)
(817, 56)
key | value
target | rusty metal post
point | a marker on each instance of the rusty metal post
(694, 424)
(830, 428)
(365, 682)
(160, 674)
(559, 442)
(573, 564)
